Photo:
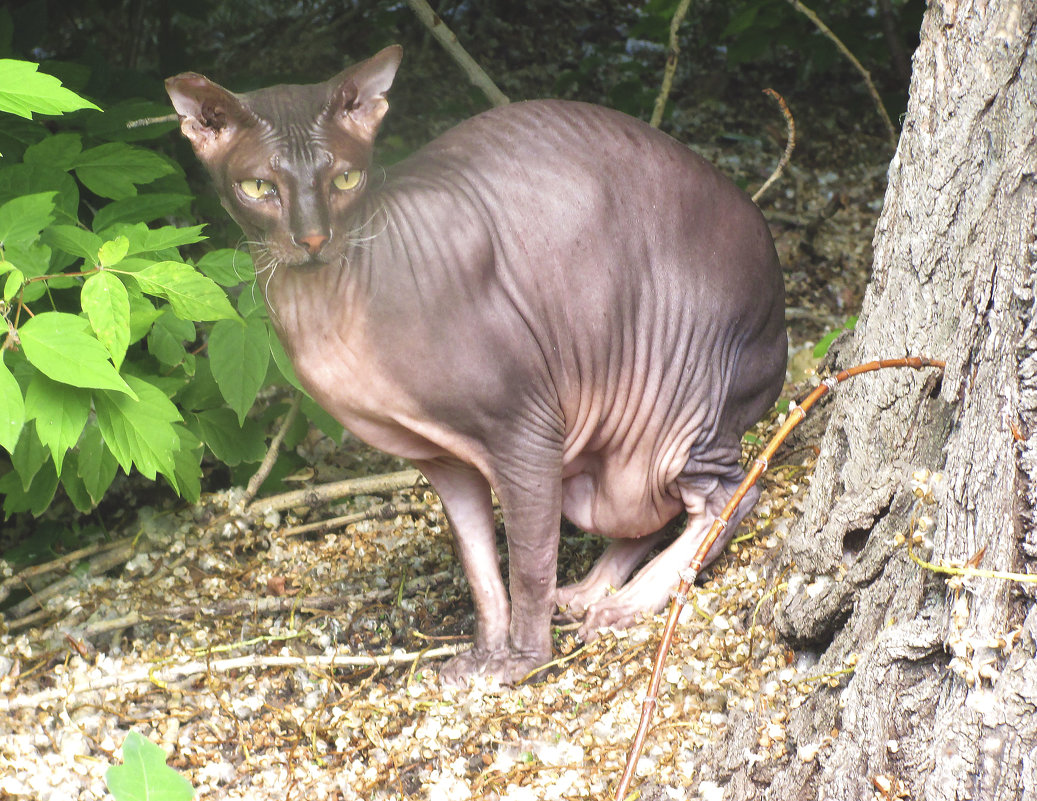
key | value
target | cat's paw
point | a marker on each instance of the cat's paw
(505, 665)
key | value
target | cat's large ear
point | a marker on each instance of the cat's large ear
(358, 100)
(210, 116)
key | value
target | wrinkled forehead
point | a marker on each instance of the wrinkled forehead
(289, 105)
(294, 124)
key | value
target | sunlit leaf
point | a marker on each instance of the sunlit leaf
(24, 91)
(60, 346)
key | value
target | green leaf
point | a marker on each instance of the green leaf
(13, 283)
(238, 356)
(59, 150)
(167, 337)
(139, 432)
(189, 465)
(29, 455)
(60, 346)
(74, 240)
(284, 364)
(107, 305)
(114, 170)
(12, 408)
(111, 126)
(149, 240)
(191, 295)
(229, 440)
(18, 180)
(32, 260)
(142, 316)
(144, 774)
(35, 498)
(320, 418)
(113, 251)
(201, 392)
(142, 208)
(741, 21)
(227, 267)
(74, 485)
(60, 412)
(22, 218)
(23, 91)
(97, 466)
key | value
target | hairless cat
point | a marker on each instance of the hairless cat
(552, 300)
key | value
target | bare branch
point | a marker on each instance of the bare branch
(672, 51)
(476, 74)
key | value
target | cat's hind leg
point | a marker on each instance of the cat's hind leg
(649, 591)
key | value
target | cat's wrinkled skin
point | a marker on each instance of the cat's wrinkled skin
(552, 299)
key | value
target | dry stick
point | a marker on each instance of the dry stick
(257, 606)
(802, 9)
(790, 144)
(160, 676)
(476, 74)
(101, 563)
(672, 51)
(385, 511)
(22, 576)
(267, 465)
(689, 574)
(151, 121)
(312, 496)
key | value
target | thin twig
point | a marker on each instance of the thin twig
(256, 607)
(267, 464)
(672, 51)
(101, 563)
(23, 576)
(384, 511)
(802, 9)
(314, 496)
(151, 120)
(162, 676)
(476, 74)
(790, 144)
(688, 575)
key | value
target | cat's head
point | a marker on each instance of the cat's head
(290, 162)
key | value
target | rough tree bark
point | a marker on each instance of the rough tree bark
(954, 275)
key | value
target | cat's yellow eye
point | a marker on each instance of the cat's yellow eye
(258, 189)
(350, 179)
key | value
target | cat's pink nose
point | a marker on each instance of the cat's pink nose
(313, 243)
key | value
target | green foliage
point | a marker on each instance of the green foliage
(821, 348)
(144, 774)
(106, 360)
(24, 91)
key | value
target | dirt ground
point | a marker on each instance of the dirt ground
(274, 662)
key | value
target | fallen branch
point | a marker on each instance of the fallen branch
(314, 496)
(385, 511)
(690, 573)
(104, 561)
(476, 74)
(22, 577)
(257, 607)
(163, 676)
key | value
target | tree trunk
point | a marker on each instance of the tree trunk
(940, 704)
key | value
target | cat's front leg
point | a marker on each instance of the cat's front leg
(511, 640)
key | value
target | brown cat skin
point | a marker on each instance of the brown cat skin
(552, 300)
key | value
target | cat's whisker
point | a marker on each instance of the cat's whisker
(361, 241)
